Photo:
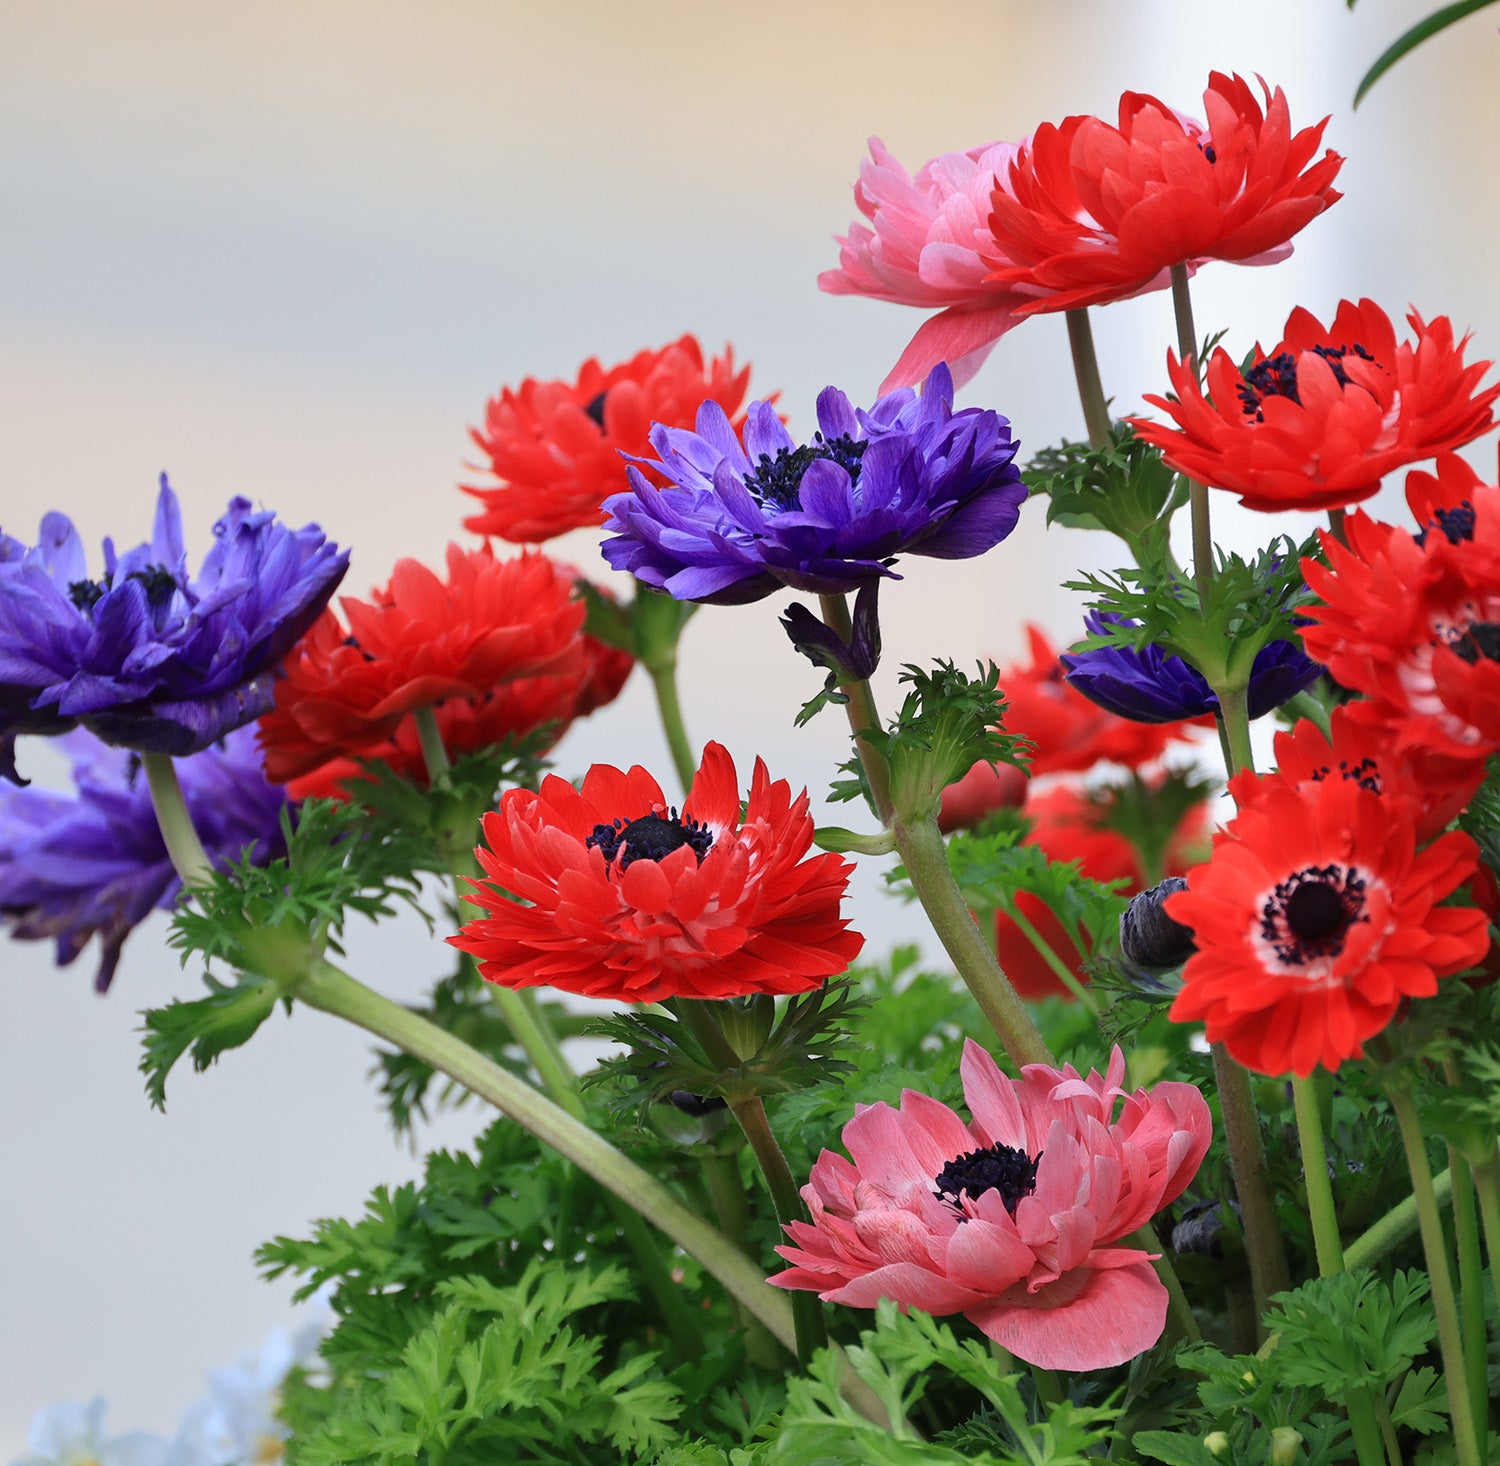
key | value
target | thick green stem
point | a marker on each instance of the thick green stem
(1471, 1283)
(721, 1175)
(1487, 1186)
(926, 859)
(177, 832)
(430, 740)
(335, 992)
(1384, 1236)
(1090, 384)
(1044, 950)
(1234, 711)
(1187, 347)
(1247, 1161)
(1325, 1225)
(1444, 1304)
(861, 710)
(663, 670)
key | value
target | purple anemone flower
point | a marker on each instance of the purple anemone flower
(1148, 686)
(93, 864)
(736, 522)
(148, 656)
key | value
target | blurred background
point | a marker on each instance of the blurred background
(288, 250)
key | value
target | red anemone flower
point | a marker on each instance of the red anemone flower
(1090, 213)
(1315, 917)
(1414, 623)
(631, 902)
(1318, 422)
(419, 642)
(1008, 1219)
(559, 448)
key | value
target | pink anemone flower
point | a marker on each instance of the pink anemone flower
(924, 251)
(1008, 1219)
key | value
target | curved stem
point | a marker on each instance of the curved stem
(1444, 1304)
(926, 860)
(1044, 949)
(1090, 385)
(183, 845)
(861, 709)
(1394, 1227)
(1471, 1284)
(663, 671)
(332, 991)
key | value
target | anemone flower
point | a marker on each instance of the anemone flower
(556, 447)
(628, 900)
(1319, 421)
(1150, 686)
(148, 656)
(421, 640)
(1315, 917)
(1090, 212)
(1008, 1219)
(737, 521)
(93, 864)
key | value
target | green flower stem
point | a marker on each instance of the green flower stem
(182, 842)
(1090, 384)
(1394, 1227)
(1247, 1161)
(1471, 1283)
(1444, 1304)
(1487, 1186)
(1060, 969)
(702, 1022)
(861, 710)
(1187, 346)
(1048, 1389)
(926, 859)
(662, 668)
(329, 990)
(1234, 710)
(434, 755)
(721, 1176)
(1360, 1404)
(1325, 1225)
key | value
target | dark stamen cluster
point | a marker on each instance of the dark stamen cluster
(86, 594)
(1001, 1168)
(775, 481)
(1207, 149)
(159, 583)
(1276, 376)
(594, 408)
(1456, 524)
(651, 837)
(1309, 914)
(1480, 640)
(1365, 773)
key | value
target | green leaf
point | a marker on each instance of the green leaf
(1174, 1447)
(206, 1027)
(1410, 40)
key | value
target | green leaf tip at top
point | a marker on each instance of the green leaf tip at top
(1409, 40)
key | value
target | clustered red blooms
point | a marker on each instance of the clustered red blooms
(559, 448)
(1090, 213)
(502, 635)
(1317, 915)
(1010, 1218)
(630, 901)
(1319, 421)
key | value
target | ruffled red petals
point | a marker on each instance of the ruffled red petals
(559, 448)
(1315, 918)
(748, 915)
(1090, 212)
(1319, 421)
(1032, 1268)
(424, 641)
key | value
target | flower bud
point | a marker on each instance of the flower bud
(1148, 936)
(1198, 1231)
(696, 1105)
(1286, 1444)
(1216, 1443)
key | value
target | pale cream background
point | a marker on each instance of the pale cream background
(288, 249)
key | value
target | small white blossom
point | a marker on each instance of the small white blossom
(71, 1434)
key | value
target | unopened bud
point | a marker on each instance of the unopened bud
(696, 1105)
(1148, 936)
(1216, 1443)
(1286, 1443)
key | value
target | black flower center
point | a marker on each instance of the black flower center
(1365, 773)
(1456, 524)
(1276, 376)
(1309, 914)
(1207, 149)
(775, 481)
(651, 837)
(1001, 1168)
(159, 583)
(1481, 639)
(594, 408)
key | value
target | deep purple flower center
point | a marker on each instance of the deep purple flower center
(594, 408)
(1207, 149)
(1276, 376)
(1002, 1168)
(775, 481)
(1309, 914)
(159, 583)
(651, 837)
(1456, 524)
(1481, 639)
